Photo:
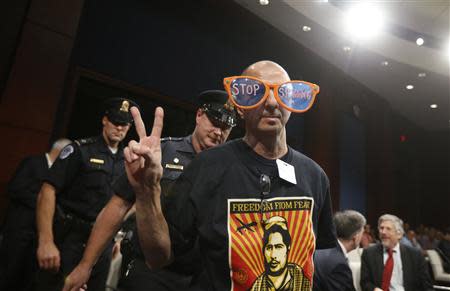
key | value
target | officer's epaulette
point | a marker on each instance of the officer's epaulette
(169, 138)
(84, 141)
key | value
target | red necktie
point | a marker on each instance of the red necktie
(387, 272)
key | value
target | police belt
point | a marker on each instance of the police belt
(73, 221)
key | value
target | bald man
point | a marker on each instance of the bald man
(228, 194)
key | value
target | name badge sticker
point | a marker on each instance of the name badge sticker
(286, 171)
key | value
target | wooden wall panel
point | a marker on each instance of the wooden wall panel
(21, 143)
(12, 15)
(380, 162)
(321, 139)
(56, 15)
(36, 82)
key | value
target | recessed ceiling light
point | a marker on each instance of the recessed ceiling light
(409, 87)
(385, 63)
(306, 28)
(419, 41)
(347, 49)
(422, 75)
(264, 2)
(434, 106)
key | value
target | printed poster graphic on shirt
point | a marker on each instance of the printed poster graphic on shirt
(271, 243)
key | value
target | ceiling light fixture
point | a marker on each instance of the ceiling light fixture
(306, 28)
(433, 106)
(264, 2)
(419, 41)
(346, 49)
(364, 21)
(385, 63)
(422, 75)
(409, 87)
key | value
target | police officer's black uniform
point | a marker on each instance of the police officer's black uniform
(177, 153)
(18, 248)
(83, 176)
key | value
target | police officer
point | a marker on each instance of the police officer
(18, 247)
(214, 118)
(77, 187)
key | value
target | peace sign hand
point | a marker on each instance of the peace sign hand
(143, 158)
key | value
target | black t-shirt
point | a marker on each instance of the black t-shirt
(218, 199)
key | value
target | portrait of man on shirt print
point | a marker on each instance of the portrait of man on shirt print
(279, 274)
(271, 243)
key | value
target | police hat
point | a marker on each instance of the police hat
(118, 110)
(216, 105)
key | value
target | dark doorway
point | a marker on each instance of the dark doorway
(88, 107)
(82, 112)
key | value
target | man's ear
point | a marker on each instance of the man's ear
(198, 115)
(355, 238)
(199, 112)
(104, 120)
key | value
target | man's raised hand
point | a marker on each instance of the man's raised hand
(143, 158)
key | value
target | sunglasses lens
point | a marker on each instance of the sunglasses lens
(247, 92)
(296, 95)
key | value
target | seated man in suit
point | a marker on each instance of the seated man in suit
(332, 271)
(390, 265)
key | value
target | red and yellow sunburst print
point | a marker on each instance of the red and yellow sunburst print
(271, 243)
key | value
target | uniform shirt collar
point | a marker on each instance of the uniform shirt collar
(113, 150)
(188, 139)
(105, 147)
(190, 148)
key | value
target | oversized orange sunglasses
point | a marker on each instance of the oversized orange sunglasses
(247, 92)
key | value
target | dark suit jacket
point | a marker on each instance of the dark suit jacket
(415, 272)
(332, 271)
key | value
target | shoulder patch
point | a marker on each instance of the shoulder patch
(65, 152)
(164, 139)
